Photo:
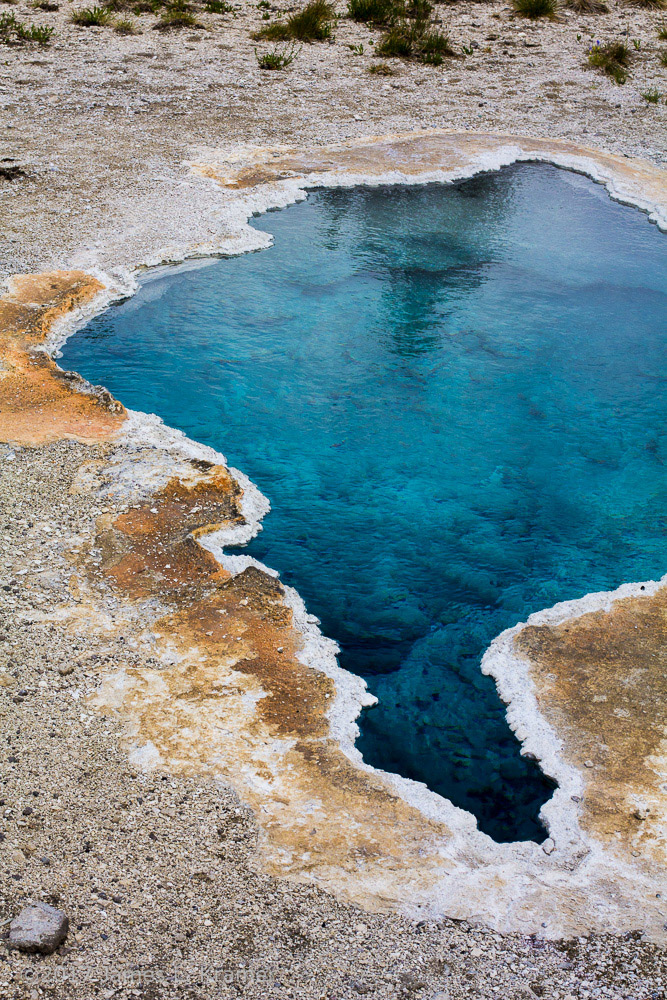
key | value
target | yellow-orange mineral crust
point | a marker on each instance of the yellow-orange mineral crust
(38, 402)
(602, 684)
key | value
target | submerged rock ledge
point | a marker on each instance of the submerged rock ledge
(238, 684)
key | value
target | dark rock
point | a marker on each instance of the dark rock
(38, 928)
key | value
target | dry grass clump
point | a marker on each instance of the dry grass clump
(372, 11)
(126, 26)
(649, 4)
(535, 9)
(587, 6)
(662, 32)
(612, 58)
(313, 23)
(381, 69)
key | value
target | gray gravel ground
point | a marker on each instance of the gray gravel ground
(157, 874)
(102, 123)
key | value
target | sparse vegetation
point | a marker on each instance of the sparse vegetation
(612, 58)
(91, 17)
(39, 33)
(381, 69)
(313, 23)
(412, 34)
(9, 171)
(13, 32)
(177, 14)
(535, 9)
(125, 26)
(663, 57)
(397, 42)
(148, 6)
(218, 7)
(276, 59)
(587, 6)
(372, 11)
(45, 5)
(652, 95)
(649, 4)
(662, 32)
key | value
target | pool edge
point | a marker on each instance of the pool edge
(489, 885)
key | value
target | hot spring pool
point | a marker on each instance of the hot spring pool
(454, 398)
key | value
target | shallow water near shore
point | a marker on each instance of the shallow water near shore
(454, 398)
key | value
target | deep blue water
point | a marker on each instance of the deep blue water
(454, 398)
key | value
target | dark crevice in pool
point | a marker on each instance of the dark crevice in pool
(452, 397)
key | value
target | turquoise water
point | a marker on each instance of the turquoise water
(454, 399)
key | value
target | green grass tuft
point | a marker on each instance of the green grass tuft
(371, 11)
(313, 23)
(13, 32)
(652, 95)
(417, 39)
(126, 26)
(91, 17)
(35, 33)
(177, 14)
(277, 59)
(398, 42)
(612, 58)
(412, 34)
(434, 46)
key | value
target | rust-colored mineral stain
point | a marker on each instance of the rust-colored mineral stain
(245, 617)
(236, 698)
(38, 402)
(601, 681)
(238, 642)
(152, 549)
